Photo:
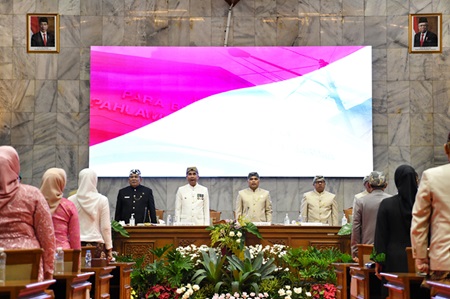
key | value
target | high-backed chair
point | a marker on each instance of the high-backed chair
(406, 285)
(348, 214)
(23, 264)
(160, 214)
(214, 216)
(72, 260)
(364, 251)
(364, 283)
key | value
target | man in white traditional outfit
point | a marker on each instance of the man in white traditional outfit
(319, 205)
(253, 203)
(192, 201)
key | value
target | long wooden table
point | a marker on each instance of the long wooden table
(16, 289)
(143, 238)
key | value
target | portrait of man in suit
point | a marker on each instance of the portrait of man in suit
(424, 37)
(42, 33)
(44, 37)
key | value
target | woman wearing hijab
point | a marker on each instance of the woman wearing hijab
(93, 210)
(64, 213)
(25, 218)
(392, 232)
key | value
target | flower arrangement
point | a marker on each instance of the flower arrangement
(261, 272)
(244, 295)
(230, 235)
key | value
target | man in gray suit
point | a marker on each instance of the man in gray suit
(431, 218)
(365, 211)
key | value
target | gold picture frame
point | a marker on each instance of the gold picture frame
(431, 25)
(42, 33)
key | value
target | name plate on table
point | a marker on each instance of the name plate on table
(313, 224)
(262, 223)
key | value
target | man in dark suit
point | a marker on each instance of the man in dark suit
(43, 38)
(135, 199)
(425, 38)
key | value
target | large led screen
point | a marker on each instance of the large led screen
(280, 111)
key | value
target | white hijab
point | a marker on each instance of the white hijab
(87, 195)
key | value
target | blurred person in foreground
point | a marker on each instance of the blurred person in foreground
(93, 211)
(365, 212)
(430, 229)
(392, 232)
(25, 218)
(64, 213)
(254, 203)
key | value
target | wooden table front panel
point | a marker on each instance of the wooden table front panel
(144, 238)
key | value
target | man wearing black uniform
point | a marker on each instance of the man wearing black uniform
(135, 199)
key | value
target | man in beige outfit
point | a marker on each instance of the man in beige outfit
(430, 220)
(319, 205)
(253, 203)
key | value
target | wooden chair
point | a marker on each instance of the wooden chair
(159, 215)
(364, 283)
(214, 216)
(406, 285)
(348, 214)
(364, 251)
(72, 260)
(23, 264)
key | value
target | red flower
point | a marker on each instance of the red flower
(161, 292)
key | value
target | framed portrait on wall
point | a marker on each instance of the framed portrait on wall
(42, 33)
(425, 33)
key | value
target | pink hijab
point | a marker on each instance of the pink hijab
(9, 174)
(52, 186)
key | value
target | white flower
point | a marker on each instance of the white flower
(287, 287)
(308, 294)
(239, 234)
(238, 241)
(298, 290)
(289, 293)
(179, 291)
(231, 234)
(196, 287)
(281, 292)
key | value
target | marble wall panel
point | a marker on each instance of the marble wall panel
(23, 99)
(265, 8)
(351, 31)
(46, 95)
(178, 31)
(353, 7)
(265, 32)
(22, 128)
(421, 96)
(200, 31)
